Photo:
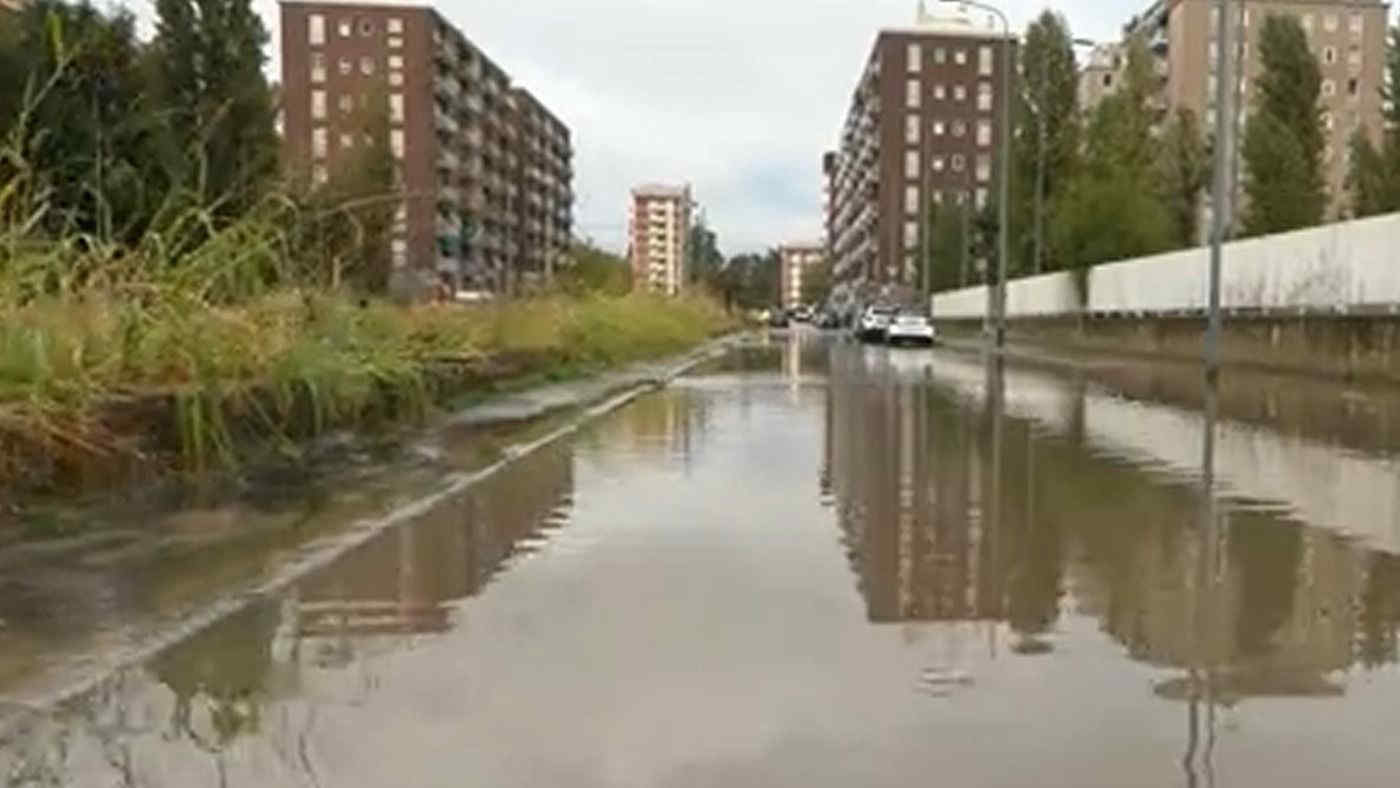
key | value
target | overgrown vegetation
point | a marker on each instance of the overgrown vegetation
(169, 302)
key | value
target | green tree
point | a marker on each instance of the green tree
(1110, 210)
(595, 270)
(948, 247)
(1373, 179)
(817, 282)
(1047, 135)
(89, 129)
(210, 58)
(1183, 172)
(703, 257)
(1283, 139)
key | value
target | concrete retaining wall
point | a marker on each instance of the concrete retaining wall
(1340, 268)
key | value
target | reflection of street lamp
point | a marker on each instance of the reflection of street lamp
(998, 294)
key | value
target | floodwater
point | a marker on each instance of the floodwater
(820, 564)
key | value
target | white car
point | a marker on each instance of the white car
(910, 327)
(873, 322)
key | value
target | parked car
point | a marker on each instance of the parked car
(908, 327)
(777, 318)
(829, 320)
(873, 322)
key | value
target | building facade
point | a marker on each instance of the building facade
(924, 128)
(1347, 38)
(794, 261)
(1098, 77)
(658, 233)
(484, 170)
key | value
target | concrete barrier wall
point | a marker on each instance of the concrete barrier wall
(1336, 268)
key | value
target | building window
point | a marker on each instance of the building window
(366, 27)
(396, 142)
(1329, 88)
(959, 92)
(938, 164)
(1353, 87)
(318, 105)
(1307, 23)
(395, 78)
(911, 129)
(346, 102)
(316, 30)
(1354, 56)
(911, 94)
(394, 25)
(1108, 80)
(959, 128)
(320, 141)
(1245, 18)
(344, 27)
(911, 164)
(1212, 52)
(960, 56)
(915, 56)
(395, 42)
(984, 167)
(345, 66)
(984, 96)
(911, 199)
(959, 162)
(318, 67)
(984, 132)
(981, 197)
(939, 91)
(396, 108)
(938, 128)
(940, 55)
(1327, 121)
(984, 61)
(366, 65)
(911, 235)
(1329, 23)
(1357, 24)
(1329, 55)
(937, 196)
(319, 175)
(396, 62)
(347, 140)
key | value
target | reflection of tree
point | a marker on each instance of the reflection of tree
(1380, 612)
(1265, 553)
(225, 668)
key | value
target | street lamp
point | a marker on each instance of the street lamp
(997, 296)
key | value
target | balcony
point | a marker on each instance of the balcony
(446, 88)
(444, 122)
(447, 160)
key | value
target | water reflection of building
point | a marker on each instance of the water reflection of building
(406, 580)
(909, 479)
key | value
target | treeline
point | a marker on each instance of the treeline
(1124, 178)
(124, 143)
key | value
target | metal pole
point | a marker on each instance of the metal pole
(1220, 197)
(924, 202)
(1005, 185)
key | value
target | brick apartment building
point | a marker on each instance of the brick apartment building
(1348, 38)
(658, 236)
(924, 127)
(794, 261)
(485, 169)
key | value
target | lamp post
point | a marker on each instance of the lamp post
(1220, 192)
(997, 295)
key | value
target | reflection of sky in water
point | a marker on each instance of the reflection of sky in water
(739, 582)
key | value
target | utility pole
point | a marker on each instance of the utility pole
(1220, 193)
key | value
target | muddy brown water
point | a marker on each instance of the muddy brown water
(811, 563)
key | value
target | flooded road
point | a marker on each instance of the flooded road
(820, 564)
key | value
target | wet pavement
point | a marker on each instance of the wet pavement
(813, 563)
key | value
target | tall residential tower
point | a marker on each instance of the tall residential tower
(658, 236)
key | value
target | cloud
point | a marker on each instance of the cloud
(738, 97)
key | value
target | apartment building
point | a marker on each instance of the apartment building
(1348, 39)
(923, 128)
(484, 169)
(658, 231)
(11, 5)
(794, 260)
(1099, 75)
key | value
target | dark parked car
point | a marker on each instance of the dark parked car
(777, 318)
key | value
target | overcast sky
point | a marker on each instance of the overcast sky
(738, 97)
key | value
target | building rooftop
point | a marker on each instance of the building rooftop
(660, 190)
(948, 19)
